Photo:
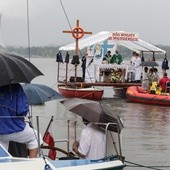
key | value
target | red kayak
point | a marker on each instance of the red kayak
(137, 95)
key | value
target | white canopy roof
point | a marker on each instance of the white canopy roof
(85, 42)
(137, 45)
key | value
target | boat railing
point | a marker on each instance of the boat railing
(65, 71)
(63, 141)
(107, 126)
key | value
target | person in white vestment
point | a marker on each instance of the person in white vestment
(131, 72)
(133, 58)
(138, 69)
(92, 142)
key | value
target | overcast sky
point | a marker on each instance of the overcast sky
(149, 18)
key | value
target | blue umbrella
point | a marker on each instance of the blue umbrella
(39, 93)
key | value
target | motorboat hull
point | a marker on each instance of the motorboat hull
(133, 94)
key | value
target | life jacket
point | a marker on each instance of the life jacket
(154, 88)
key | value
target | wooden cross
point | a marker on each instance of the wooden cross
(77, 33)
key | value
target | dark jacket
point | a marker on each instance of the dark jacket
(165, 64)
(83, 62)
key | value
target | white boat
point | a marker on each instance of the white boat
(8, 162)
(11, 163)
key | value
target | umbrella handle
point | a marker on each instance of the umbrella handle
(75, 130)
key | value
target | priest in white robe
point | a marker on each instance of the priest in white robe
(138, 68)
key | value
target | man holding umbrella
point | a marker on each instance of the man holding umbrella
(13, 108)
(92, 142)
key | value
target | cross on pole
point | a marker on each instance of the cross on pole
(105, 46)
(77, 33)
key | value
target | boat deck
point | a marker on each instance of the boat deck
(85, 84)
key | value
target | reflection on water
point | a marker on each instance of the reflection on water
(146, 136)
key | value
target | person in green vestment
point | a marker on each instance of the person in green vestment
(106, 60)
(116, 58)
(107, 57)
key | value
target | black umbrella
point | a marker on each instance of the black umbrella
(39, 93)
(149, 63)
(15, 69)
(93, 112)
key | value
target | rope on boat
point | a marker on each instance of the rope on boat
(66, 14)
(145, 166)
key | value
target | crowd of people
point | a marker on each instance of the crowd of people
(136, 72)
(151, 81)
(147, 76)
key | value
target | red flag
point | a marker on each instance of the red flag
(48, 138)
(52, 154)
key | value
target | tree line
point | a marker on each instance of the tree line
(51, 51)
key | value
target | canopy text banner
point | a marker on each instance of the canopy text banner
(123, 36)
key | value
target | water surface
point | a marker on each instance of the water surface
(146, 136)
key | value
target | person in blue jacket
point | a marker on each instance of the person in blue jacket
(165, 64)
(13, 108)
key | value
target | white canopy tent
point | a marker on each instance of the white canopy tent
(128, 41)
(85, 42)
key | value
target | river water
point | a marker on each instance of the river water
(146, 136)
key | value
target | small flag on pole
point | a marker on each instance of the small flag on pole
(48, 138)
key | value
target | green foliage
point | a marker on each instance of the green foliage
(45, 51)
(51, 51)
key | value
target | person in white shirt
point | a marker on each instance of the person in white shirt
(138, 69)
(156, 77)
(133, 58)
(92, 142)
(131, 72)
(145, 79)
